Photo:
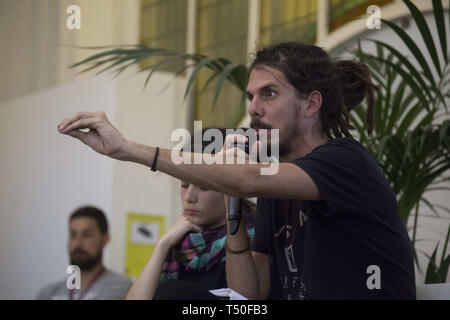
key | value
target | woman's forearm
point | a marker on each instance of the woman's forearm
(145, 285)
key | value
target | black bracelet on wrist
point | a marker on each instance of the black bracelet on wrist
(153, 167)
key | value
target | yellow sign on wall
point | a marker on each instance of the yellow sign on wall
(143, 231)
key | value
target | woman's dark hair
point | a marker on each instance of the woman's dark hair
(343, 84)
(93, 213)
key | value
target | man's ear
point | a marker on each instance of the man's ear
(106, 239)
(314, 102)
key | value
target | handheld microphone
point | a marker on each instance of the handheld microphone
(235, 210)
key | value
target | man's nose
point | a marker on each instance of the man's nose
(76, 242)
(255, 110)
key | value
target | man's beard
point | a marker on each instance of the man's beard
(290, 133)
(83, 260)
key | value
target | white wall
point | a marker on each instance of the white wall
(44, 177)
(149, 118)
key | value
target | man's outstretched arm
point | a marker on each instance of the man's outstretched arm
(236, 180)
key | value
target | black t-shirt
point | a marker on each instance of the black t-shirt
(351, 245)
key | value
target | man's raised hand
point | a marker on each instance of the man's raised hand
(102, 136)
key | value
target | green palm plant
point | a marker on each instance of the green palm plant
(410, 142)
(411, 150)
(118, 59)
(438, 273)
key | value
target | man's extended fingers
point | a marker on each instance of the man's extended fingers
(79, 124)
(77, 116)
(79, 135)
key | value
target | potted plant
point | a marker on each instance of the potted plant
(410, 142)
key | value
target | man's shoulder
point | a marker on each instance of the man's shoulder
(113, 286)
(349, 143)
(339, 152)
(51, 290)
(114, 277)
(55, 285)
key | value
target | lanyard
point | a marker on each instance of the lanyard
(85, 291)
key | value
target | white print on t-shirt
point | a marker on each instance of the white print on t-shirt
(290, 259)
(294, 285)
(288, 229)
(288, 252)
(302, 217)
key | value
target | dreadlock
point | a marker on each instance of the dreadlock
(343, 84)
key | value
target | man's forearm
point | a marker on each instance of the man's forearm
(242, 275)
(226, 178)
